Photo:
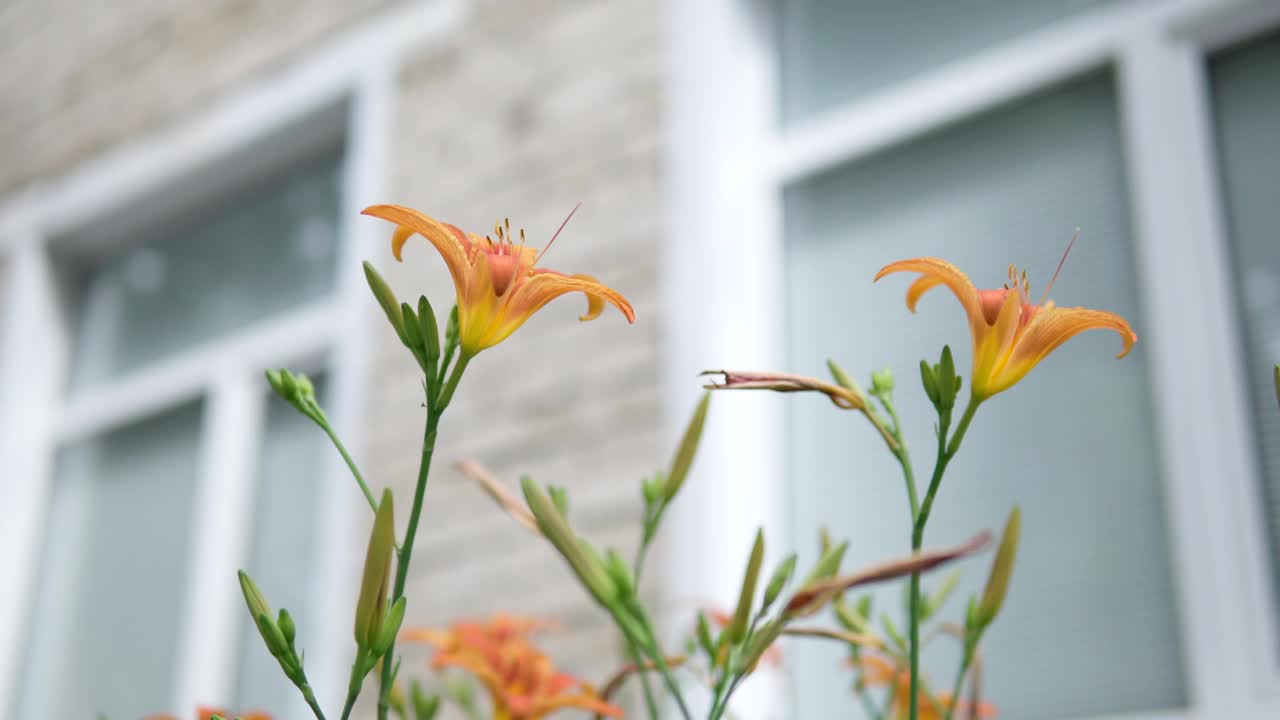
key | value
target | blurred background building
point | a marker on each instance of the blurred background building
(179, 206)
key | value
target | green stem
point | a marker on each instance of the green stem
(351, 465)
(411, 531)
(650, 701)
(904, 457)
(955, 688)
(310, 697)
(946, 451)
(351, 703)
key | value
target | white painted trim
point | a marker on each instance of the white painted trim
(338, 542)
(360, 67)
(209, 630)
(294, 336)
(965, 87)
(32, 358)
(719, 122)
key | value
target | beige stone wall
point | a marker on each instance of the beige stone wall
(532, 108)
(79, 77)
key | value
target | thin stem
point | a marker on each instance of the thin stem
(946, 451)
(446, 394)
(955, 688)
(650, 701)
(904, 457)
(310, 697)
(351, 703)
(351, 465)
(411, 531)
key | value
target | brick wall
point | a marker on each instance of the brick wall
(534, 107)
(81, 77)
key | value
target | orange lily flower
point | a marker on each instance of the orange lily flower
(523, 683)
(880, 671)
(497, 283)
(1010, 333)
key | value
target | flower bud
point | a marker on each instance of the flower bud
(585, 564)
(386, 298)
(1001, 570)
(390, 627)
(843, 379)
(737, 629)
(425, 706)
(287, 628)
(882, 381)
(683, 458)
(372, 602)
(778, 581)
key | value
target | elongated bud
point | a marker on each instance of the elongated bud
(737, 629)
(253, 598)
(589, 569)
(683, 459)
(828, 565)
(428, 330)
(948, 383)
(371, 606)
(778, 581)
(1001, 570)
(560, 496)
(620, 573)
(936, 599)
(412, 335)
(386, 298)
(930, 382)
(704, 636)
(843, 379)
(653, 489)
(784, 382)
(390, 627)
(287, 628)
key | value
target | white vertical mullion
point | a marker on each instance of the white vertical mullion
(339, 545)
(1183, 270)
(32, 356)
(725, 252)
(222, 525)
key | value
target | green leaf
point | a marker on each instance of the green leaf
(704, 636)
(683, 458)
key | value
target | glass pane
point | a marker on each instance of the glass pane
(1090, 626)
(1247, 106)
(113, 573)
(830, 51)
(293, 460)
(261, 253)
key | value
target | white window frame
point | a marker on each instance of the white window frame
(360, 68)
(728, 162)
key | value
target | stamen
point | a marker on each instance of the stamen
(557, 233)
(1061, 262)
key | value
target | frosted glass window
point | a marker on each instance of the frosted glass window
(1247, 107)
(290, 471)
(113, 573)
(272, 248)
(1090, 626)
(830, 51)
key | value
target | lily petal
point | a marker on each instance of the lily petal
(449, 241)
(545, 286)
(1052, 326)
(936, 272)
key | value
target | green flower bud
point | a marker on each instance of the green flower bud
(683, 459)
(882, 381)
(287, 628)
(1001, 570)
(372, 603)
(778, 581)
(386, 298)
(737, 629)
(390, 627)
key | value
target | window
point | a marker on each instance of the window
(861, 133)
(179, 304)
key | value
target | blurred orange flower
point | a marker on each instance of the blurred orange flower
(523, 683)
(878, 670)
(207, 713)
(498, 285)
(1010, 333)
